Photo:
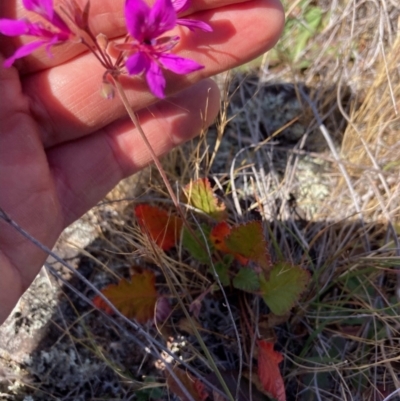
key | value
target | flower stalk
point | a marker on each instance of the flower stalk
(160, 168)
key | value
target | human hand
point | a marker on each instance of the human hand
(63, 146)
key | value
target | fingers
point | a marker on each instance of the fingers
(85, 170)
(66, 100)
(106, 16)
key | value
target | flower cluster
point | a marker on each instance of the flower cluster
(55, 33)
(145, 49)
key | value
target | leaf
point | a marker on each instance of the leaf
(246, 242)
(201, 196)
(222, 269)
(135, 299)
(151, 390)
(306, 29)
(193, 247)
(246, 280)
(219, 234)
(284, 287)
(218, 237)
(193, 386)
(268, 370)
(162, 228)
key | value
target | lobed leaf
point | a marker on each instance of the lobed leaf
(222, 269)
(193, 386)
(135, 299)
(268, 370)
(195, 249)
(246, 280)
(219, 234)
(201, 196)
(162, 228)
(284, 287)
(246, 242)
(218, 237)
(152, 390)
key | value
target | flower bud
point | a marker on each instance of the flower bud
(102, 41)
(107, 90)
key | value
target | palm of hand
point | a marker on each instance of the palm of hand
(63, 147)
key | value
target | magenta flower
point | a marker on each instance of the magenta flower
(48, 36)
(148, 52)
(183, 5)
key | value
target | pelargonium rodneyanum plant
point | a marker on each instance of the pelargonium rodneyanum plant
(144, 49)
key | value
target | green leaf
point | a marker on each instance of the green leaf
(246, 280)
(222, 269)
(284, 287)
(306, 30)
(195, 249)
(301, 28)
(201, 196)
(247, 241)
(153, 390)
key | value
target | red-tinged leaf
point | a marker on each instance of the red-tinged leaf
(162, 228)
(218, 237)
(268, 370)
(246, 242)
(201, 196)
(193, 386)
(283, 287)
(135, 299)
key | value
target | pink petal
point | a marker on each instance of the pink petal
(46, 10)
(137, 15)
(50, 43)
(22, 52)
(165, 43)
(155, 80)
(136, 63)
(42, 7)
(59, 23)
(193, 24)
(179, 65)
(162, 18)
(12, 27)
(180, 5)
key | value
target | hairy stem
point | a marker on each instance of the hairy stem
(159, 166)
(156, 161)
